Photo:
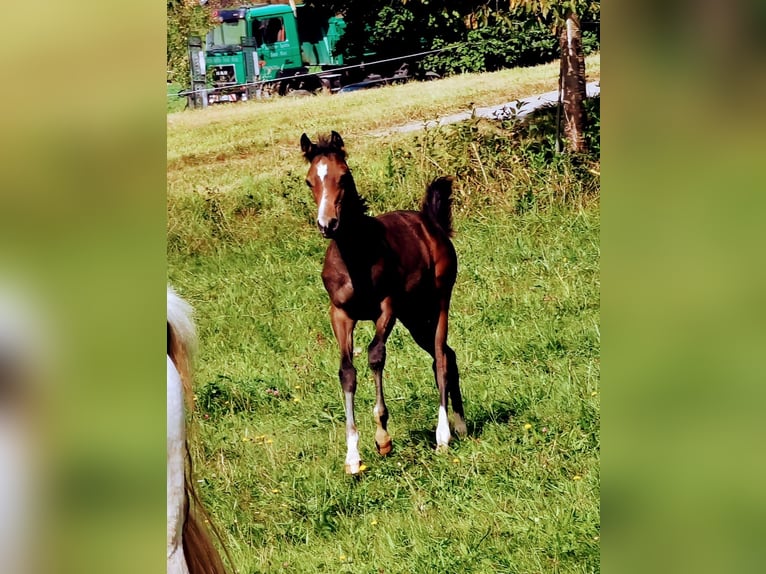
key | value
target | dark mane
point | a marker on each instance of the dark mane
(352, 201)
(325, 145)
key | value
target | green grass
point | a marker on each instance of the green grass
(243, 249)
(265, 131)
(175, 104)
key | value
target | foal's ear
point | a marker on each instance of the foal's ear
(306, 145)
(336, 140)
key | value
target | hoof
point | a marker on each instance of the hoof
(385, 448)
(460, 428)
(383, 442)
(442, 448)
(352, 468)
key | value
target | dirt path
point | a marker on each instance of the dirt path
(519, 108)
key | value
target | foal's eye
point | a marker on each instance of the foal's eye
(308, 183)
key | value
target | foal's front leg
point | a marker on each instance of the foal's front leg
(376, 353)
(343, 327)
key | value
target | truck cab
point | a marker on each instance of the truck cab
(275, 31)
(263, 43)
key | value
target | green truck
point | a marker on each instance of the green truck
(265, 48)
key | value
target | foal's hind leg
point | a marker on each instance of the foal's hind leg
(453, 388)
(343, 327)
(440, 359)
(376, 354)
(426, 332)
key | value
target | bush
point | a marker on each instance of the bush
(502, 42)
(514, 163)
(184, 18)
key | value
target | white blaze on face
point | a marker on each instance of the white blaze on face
(323, 215)
(442, 429)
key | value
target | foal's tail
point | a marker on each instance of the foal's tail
(200, 553)
(437, 205)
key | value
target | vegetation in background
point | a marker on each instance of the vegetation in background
(566, 17)
(521, 492)
(184, 18)
(490, 35)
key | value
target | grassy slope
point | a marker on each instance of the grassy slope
(267, 129)
(524, 323)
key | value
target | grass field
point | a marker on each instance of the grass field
(520, 493)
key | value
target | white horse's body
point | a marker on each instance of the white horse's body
(182, 343)
(23, 376)
(189, 549)
(176, 495)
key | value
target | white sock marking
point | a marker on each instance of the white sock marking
(442, 429)
(352, 455)
(352, 437)
(349, 410)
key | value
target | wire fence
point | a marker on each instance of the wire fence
(260, 83)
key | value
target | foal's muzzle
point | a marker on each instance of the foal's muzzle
(328, 231)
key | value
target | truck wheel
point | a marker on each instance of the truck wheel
(285, 87)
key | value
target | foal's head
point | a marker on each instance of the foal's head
(330, 180)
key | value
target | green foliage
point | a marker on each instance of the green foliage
(482, 36)
(501, 42)
(390, 29)
(532, 177)
(184, 18)
(175, 103)
(486, 36)
(593, 129)
(557, 10)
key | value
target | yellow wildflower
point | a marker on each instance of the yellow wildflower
(362, 467)
(342, 558)
(577, 477)
(275, 490)
(456, 460)
(527, 426)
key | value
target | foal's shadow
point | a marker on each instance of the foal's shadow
(421, 437)
(497, 413)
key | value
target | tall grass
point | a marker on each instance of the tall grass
(521, 492)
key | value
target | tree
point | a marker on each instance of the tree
(184, 18)
(565, 16)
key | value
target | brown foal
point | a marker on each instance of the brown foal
(399, 265)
